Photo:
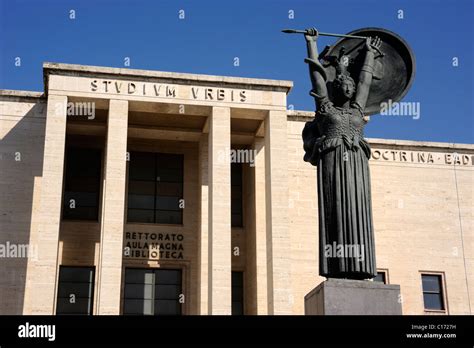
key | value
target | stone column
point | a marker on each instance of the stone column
(278, 238)
(113, 211)
(40, 287)
(203, 251)
(219, 275)
(257, 256)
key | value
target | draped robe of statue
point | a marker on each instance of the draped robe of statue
(334, 142)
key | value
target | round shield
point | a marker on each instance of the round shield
(394, 68)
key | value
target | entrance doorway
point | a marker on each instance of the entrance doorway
(152, 291)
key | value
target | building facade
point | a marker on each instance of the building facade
(144, 192)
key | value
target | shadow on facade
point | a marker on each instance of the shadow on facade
(21, 155)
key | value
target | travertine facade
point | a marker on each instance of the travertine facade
(422, 195)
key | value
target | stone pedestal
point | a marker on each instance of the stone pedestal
(353, 297)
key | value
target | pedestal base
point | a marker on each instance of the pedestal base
(353, 297)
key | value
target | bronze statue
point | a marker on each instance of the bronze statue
(334, 140)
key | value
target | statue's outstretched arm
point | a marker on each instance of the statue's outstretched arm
(367, 71)
(316, 70)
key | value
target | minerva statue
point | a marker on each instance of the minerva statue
(334, 142)
(349, 82)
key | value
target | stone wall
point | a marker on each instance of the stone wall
(22, 127)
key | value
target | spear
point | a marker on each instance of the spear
(293, 31)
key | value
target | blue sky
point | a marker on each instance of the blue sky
(212, 33)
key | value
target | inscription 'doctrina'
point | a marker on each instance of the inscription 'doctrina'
(167, 91)
(422, 157)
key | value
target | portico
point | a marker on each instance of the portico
(201, 118)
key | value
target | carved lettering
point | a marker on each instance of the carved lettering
(220, 94)
(465, 160)
(157, 90)
(170, 91)
(94, 85)
(403, 156)
(422, 157)
(155, 246)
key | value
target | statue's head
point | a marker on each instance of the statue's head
(344, 87)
